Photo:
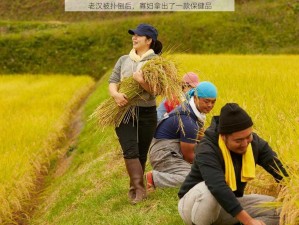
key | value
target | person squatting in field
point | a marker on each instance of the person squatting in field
(172, 149)
(226, 157)
(190, 80)
(135, 136)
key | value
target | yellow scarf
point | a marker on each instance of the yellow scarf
(248, 165)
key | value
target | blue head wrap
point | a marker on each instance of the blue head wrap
(205, 89)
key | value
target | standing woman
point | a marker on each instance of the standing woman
(136, 134)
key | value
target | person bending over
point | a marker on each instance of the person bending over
(213, 192)
(172, 149)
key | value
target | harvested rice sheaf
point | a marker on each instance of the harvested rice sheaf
(162, 76)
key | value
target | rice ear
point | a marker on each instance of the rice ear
(162, 77)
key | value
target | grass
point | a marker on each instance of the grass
(94, 188)
(35, 112)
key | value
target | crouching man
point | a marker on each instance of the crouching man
(226, 157)
(172, 149)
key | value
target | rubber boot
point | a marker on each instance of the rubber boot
(135, 172)
(132, 192)
(142, 166)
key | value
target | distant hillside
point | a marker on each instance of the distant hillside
(48, 43)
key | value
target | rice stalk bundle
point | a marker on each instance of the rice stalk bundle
(289, 197)
(263, 184)
(161, 75)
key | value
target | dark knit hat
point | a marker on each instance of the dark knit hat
(233, 118)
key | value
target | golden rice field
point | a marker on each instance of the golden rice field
(267, 87)
(35, 110)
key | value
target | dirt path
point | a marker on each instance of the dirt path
(75, 128)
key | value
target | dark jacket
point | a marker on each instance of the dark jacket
(209, 166)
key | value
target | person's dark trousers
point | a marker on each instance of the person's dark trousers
(135, 138)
